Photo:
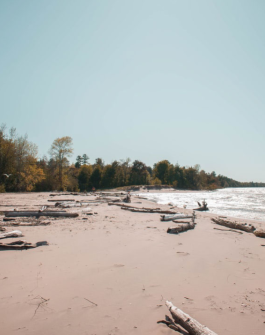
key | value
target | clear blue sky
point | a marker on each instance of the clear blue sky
(150, 80)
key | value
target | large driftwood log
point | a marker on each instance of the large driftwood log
(14, 233)
(177, 216)
(181, 227)
(249, 228)
(187, 322)
(19, 245)
(36, 213)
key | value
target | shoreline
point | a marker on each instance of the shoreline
(128, 265)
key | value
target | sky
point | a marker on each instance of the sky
(150, 80)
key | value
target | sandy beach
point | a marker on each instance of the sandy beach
(111, 273)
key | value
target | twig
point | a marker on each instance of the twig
(91, 301)
(172, 325)
(234, 231)
(42, 302)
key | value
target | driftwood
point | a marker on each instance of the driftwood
(181, 228)
(147, 210)
(61, 200)
(67, 204)
(259, 233)
(177, 216)
(38, 213)
(203, 207)
(2, 228)
(14, 233)
(192, 326)
(71, 193)
(234, 231)
(25, 224)
(20, 245)
(128, 206)
(249, 228)
(8, 219)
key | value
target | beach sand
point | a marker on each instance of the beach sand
(112, 272)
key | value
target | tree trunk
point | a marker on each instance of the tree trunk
(187, 322)
(29, 213)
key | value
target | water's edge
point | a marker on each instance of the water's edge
(247, 203)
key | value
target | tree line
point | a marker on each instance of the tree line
(21, 170)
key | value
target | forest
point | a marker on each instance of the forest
(22, 171)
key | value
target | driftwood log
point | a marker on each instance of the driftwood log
(20, 245)
(14, 233)
(249, 228)
(61, 200)
(37, 213)
(181, 228)
(147, 210)
(192, 326)
(259, 233)
(178, 216)
(128, 206)
(24, 224)
(203, 207)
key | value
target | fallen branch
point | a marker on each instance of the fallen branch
(91, 302)
(26, 224)
(178, 216)
(192, 326)
(20, 245)
(42, 302)
(37, 213)
(14, 233)
(172, 325)
(233, 231)
(181, 228)
(61, 200)
(147, 210)
(249, 228)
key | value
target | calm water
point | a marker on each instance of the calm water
(248, 203)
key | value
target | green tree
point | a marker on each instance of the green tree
(84, 177)
(161, 170)
(139, 174)
(96, 176)
(61, 149)
(79, 161)
(85, 159)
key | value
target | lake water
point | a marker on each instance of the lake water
(248, 203)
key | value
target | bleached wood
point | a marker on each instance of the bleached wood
(187, 322)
